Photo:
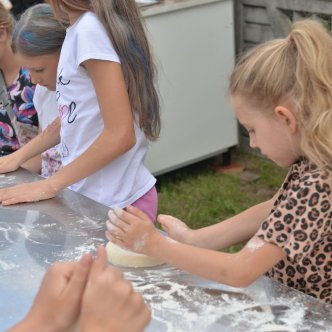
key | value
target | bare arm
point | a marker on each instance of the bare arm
(118, 136)
(33, 164)
(222, 234)
(42, 142)
(240, 269)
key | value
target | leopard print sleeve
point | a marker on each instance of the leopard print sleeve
(300, 224)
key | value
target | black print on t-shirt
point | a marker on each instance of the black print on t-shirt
(72, 108)
(65, 111)
(60, 79)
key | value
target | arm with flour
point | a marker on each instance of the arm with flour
(133, 230)
(234, 230)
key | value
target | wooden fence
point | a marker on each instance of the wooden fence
(259, 20)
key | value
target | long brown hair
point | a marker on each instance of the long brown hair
(123, 23)
(300, 67)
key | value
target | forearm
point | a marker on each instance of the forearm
(218, 266)
(33, 164)
(233, 230)
(42, 142)
(106, 148)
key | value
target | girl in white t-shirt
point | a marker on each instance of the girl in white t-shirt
(107, 110)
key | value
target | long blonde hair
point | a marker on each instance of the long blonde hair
(299, 66)
(123, 23)
(6, 20)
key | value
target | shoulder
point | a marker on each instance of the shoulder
(87, 39)
(87, 22)
(304, 177)
(310, 183)
(304, 200)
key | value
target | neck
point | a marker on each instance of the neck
(74, 16)
(9, 65)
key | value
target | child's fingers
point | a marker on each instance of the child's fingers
(130, 215)
(99, 265)
(79, 276)
(112, 227)
(137, 212)
(165, 221)
(115, 240)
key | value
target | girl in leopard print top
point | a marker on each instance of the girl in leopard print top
(281, 92)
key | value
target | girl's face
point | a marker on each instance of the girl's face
(272, 134)
(42, 68)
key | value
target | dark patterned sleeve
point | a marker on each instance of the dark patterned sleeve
(300, 220)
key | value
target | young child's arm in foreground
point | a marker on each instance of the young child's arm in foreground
(89, 294)
(42, 142)
(133, 230)
(110, 303)
(56, 307)
(220, 235)
(117, 137)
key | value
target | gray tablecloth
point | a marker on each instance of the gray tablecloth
(33, 236)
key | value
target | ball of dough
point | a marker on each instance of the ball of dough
(122, 257)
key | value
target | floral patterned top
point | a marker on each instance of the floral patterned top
(20, 94)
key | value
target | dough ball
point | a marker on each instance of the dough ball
(122, 257)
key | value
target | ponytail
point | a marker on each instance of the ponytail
(299, 67)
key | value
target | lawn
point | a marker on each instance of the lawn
(200, 195)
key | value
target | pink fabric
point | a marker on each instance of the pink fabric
(148, 203)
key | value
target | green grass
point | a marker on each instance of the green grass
(200, 196)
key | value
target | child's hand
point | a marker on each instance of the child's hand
(131, 229)
(57, 304)
(109, 301)
(175, 228)
(9, 163)
(27, 192)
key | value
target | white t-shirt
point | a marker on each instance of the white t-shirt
(126, 178)
(46, 106)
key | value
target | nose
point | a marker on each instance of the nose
(252, 143)
(34, 79)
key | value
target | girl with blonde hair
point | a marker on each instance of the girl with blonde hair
(108, 107)
(281, 92)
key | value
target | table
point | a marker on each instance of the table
(33, 236)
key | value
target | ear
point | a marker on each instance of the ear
(285, 115)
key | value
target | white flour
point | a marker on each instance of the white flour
(178, 301)
(176, 306)
(6, 266)
(255, 243)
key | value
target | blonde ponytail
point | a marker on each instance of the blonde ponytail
(300, 67)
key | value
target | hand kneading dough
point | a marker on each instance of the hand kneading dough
(118, 256)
